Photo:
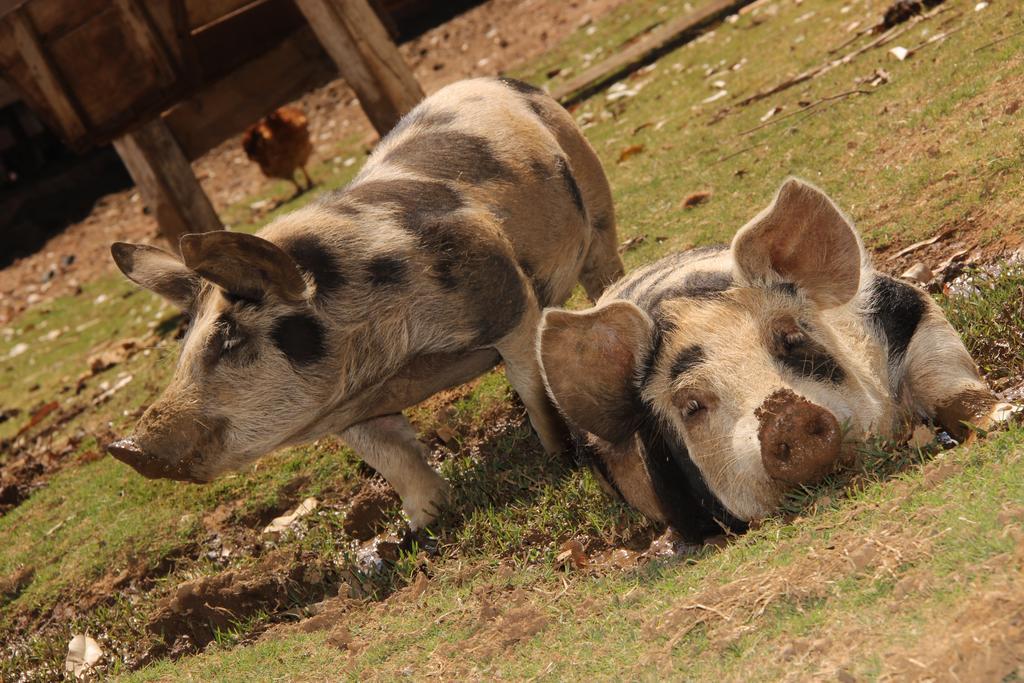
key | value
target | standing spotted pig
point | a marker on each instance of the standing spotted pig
(483, 206)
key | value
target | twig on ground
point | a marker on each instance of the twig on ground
(812, 105)
(881, 40)
(997, 41)
(736, 154)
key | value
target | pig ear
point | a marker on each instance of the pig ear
(589, 361)
(245, 265)
(804, 239)
(157, 271)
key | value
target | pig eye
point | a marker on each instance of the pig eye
(692, 408)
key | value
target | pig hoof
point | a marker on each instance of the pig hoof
(422, 510)
(418, 539)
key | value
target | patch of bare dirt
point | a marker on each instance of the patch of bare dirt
(368, 513)
(491, 38)
(188, 619)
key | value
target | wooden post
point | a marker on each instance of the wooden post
(44, 74)
(165, 180)
(354, 37)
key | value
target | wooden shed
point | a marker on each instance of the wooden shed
(166, 80)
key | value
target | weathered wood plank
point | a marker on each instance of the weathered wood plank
(165, 179)
(226, 107)
(146, 38)
(660, 41)
(203, 12)
(45, 76)
(369, 62)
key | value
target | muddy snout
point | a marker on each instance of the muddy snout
(800, 441)
(130, 453)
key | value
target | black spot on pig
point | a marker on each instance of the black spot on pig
(318, 259)
(785, 288)
(704, 284)
(699, 285)
(571, 186)
(387, 269)
(896, 309)
(686, 360)
(449, 155)
(684, 497)
(603, 222)
(481, 268)
(300, 337)
(417, 202)
(805, 357)
(541, 287)
(521, 86)
(425, 118)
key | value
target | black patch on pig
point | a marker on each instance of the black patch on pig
(538, 110)
(521, 86)
(479, 267)
(300, 337)
(810, 359)
(571, 186)
(541, 288)
(647, 280)
(540, 170)
(699, 285)
(449, 155)
(603, 222)
(417, 202)
(425, 117)
(683, 495)
(317, 259)
(787, 288)
(387, 269)
(686, 360)
(241, 300)
(896, 310)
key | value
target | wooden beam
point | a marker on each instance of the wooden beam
(658, 42)
(45, 75)
(8, 95)
(226, 107)
(164, 178)
(145, 35)
(369, 62)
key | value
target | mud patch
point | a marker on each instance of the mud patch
(370, 511)
(192, 615)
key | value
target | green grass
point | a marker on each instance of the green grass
(932, 149)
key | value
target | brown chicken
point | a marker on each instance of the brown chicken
(280, 144)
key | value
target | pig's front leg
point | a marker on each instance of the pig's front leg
(522, 368)
(943, 380)
(389, 445)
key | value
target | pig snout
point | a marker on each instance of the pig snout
(800, 441)
(130, 453)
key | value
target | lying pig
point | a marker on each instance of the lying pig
(714, 381)
(484, 205)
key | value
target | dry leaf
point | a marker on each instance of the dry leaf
(572, 550)
(632, 243)
(919, 273)
(445, 434)
(630, 151)
(695, 199)
(921, 437)
(83, 654)
(279, 524)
